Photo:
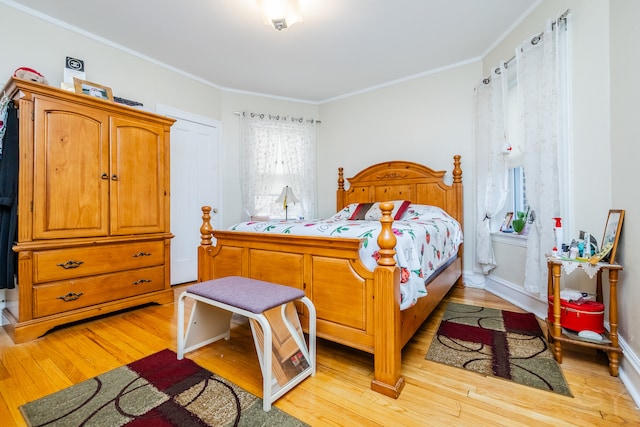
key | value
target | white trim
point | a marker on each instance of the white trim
(474, 280)
(509, 239)
(166, 110)
(629, 371)
(403, 79)
(513, 26)
(517, 295)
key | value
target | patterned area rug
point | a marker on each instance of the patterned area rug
(158, 390)
(497, 343)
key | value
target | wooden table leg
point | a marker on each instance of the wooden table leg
(556, 269)
(613, 321)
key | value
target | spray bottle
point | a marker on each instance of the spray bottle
(558, 232)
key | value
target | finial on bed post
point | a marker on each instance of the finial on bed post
(206, 231)
(386, 239)
(341, 179)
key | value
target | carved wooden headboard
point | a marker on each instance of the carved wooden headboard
(401, 180)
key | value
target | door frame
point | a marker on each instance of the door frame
(206, 121)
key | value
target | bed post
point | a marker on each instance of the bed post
(340, 192)
(387, 361)
(206, 236)
(459, 214)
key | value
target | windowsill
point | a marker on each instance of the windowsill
(509, 238)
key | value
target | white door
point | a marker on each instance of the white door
(195, 181)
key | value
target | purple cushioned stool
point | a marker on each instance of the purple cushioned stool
(214, 303)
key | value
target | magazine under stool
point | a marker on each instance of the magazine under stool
(277, 334)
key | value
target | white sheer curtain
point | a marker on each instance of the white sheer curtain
(277, 151)
(491, 168)
(541, 69)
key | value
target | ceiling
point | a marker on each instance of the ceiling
(342, 47)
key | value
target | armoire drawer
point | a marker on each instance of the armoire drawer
(60, 264)
(58, 297)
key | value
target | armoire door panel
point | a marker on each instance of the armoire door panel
(137, 177)
(71, 154)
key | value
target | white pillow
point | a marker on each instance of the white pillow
(424, 213)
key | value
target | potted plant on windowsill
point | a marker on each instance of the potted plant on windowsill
(521, 220)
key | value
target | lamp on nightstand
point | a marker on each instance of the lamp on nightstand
(285, 198)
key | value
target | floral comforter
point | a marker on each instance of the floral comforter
(427, 237)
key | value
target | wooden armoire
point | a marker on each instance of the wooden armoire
(93, 209)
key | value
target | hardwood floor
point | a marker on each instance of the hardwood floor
(339, 394)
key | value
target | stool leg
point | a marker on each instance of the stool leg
(299, 340)
(180, 331)
(312, 333)
(264, 350)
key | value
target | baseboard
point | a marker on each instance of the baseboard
(629, 370)
(517, 295)
(474, 280)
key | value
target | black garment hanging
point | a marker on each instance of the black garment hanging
(9, 200)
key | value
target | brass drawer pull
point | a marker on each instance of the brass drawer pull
(71, 296)
(70, 264)
(141, 281)
(141, 254)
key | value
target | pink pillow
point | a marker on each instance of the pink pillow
(372, 212)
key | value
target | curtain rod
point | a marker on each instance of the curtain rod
(277, 117)
(537, 38)
(534, 41)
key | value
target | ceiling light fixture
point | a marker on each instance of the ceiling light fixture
(280, 13)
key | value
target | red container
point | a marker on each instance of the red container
(585, 316)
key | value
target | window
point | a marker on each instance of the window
(517, 196)
(277, 151)
(265, 201)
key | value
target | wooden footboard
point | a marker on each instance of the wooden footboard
(355, 306)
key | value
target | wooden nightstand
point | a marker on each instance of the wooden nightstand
(555, 335)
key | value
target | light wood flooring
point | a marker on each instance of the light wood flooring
(339, 394)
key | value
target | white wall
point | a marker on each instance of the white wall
(425, 120)
(625, 150)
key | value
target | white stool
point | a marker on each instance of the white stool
(211, 321)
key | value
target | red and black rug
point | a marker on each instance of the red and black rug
(158, 390)
(497, 343)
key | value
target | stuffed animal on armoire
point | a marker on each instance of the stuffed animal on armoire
(29, 74)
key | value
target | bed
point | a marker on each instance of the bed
(356, 306)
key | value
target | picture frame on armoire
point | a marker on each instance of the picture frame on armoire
(92, 89)
(611, 236)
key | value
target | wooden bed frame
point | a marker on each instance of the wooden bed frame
(355, 306)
